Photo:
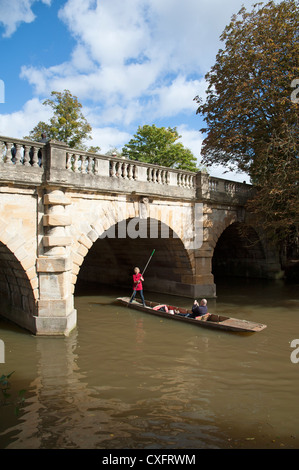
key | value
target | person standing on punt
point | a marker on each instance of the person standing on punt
(137, 285)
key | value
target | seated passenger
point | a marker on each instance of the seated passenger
(199, 310)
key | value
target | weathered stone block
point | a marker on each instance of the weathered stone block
(56, 326)
(59, 199)
(52, 240)
(93, 235)
(55, 307)
(77, 259)
(53, 265)
(57, 220)
(54, 286)
(85, 241)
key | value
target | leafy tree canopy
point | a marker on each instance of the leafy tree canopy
(249, 87)
(67, 123)
(158, 145)
(250, 114)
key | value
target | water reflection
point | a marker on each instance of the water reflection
(129, 380)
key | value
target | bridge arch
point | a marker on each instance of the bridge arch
(18, 297)
(110, 257)
(239, 251)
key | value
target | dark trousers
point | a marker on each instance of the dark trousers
(141, 295)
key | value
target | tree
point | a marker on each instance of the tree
(159, 146)
(67, 123)
(251, 118)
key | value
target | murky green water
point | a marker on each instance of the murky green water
(124, 379)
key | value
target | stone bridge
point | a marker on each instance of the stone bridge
(68, 215)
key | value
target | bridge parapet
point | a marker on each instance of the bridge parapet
(222, 190)
(53, 163)
(21, 160)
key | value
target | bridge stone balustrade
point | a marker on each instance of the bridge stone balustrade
(58, 206)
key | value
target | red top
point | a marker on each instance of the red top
(136, 278)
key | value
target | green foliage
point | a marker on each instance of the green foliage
(159, 146)
(249, 92)
(251, 120)
(67, 123)
(276, 201)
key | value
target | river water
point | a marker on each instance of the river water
(127, 380)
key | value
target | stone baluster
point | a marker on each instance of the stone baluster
(83, 164)
(118, 169)
(34, 156)
(122, 170)
(165, 177)
(26, 157)
(96, 166)
(76, 163)
(68, 163)
(130, 171)
(89, 165)
(8, 153)
(125, 171)
(2, 150)
(159, 179)
(112, 168)
(18, 156)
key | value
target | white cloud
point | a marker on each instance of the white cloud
(191, 139)
(178, 96)
(113, 31)
(133, 49)
(108, 138)
(14, 12)
(20, 123)
(134, 61)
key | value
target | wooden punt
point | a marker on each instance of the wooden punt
(211, 320)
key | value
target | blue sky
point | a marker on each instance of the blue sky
(129, 62)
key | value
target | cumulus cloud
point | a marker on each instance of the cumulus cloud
(178, 96)
(21, 122)
(15, 12)
(133, 62)
(108, 138)
(136, 50)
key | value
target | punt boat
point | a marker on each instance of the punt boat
(210, 320)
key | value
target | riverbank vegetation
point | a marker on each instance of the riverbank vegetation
(251, 113)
